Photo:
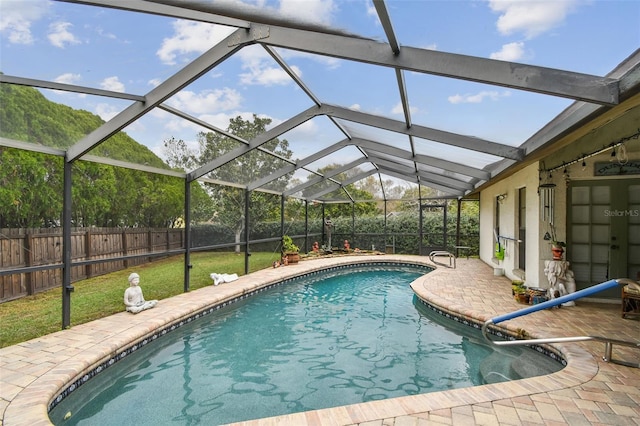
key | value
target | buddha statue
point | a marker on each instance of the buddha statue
(133, 298)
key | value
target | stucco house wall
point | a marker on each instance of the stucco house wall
(551, 169)
(527, 178)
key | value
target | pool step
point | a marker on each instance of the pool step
(498, 368)
(526, 366)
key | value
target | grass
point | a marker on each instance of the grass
(34, 316)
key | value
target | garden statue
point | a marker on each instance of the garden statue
(133, 298)
(561, 280)
(328, 226)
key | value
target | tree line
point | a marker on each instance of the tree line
(31, 183)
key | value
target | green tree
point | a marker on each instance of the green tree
(93, 187)
(31, 183)
(229, 201)
(30, 189)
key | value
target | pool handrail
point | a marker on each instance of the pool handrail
(556, 302)
(443, 253)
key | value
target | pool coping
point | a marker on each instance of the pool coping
(580, 368)
(68, 355)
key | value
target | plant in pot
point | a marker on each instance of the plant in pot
(520, 291)
(290, 250)
(557, 247)
(516, 286)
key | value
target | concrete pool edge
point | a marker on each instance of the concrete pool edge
(70, 354)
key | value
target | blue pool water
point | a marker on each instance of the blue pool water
(346, 336)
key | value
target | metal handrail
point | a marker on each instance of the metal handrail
(558, 301)
(443, 253)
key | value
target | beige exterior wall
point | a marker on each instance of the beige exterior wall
(537, 249)
(528, 178)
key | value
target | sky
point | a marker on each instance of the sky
(133, 52)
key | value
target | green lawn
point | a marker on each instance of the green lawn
(98, 297)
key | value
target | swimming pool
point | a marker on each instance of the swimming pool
(328, 339)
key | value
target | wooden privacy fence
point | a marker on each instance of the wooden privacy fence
(20, 248)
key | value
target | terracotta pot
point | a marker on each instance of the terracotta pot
(293, 257)
(557, 252)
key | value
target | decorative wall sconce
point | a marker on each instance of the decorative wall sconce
(501, 197)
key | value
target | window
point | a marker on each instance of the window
(496, 219)
(522, 227)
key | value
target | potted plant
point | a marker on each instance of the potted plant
(520, 291)
(516, 286)
(290, 250)
(557, 247)
(523, 297)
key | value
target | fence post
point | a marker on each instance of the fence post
(149, 244)
(28, 261)
(88, 253)
(125, 248)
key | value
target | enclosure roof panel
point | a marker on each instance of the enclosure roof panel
(393, 93)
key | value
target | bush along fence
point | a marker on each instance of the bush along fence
(40, 250)
(29, 248)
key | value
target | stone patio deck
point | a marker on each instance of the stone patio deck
(588, 391)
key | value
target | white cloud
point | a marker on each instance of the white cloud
(305, 132)
(207, 101)
(261, 68)
(59, 34)
(196, 38)
(478, 97)
(319, 12)
(371, 11)
(531, 17)
(174, 125)
(398, 110)
(155, 82)
(313, 11)
(266, 76)
(106, 111)
(113, 84)
(355, 107)
(68, 78)
(17, 17)
(191, 37)
(510, 52)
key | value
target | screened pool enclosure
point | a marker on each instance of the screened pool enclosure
(394, 183)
